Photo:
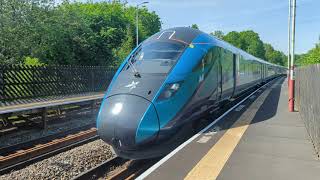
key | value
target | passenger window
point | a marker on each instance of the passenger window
(205, 61)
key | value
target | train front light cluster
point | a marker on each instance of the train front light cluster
(169, 91)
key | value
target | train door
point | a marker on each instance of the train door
(264, 72)
(219, 75)
(227, 73)
(261, 71)
(210, 88)
(216, 80)
(235, 76)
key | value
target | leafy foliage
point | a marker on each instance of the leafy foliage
(71, 33)
(219, 34)
(311, 57)
(32, 61)
(274, 56)
(194, 26)
(250, 42)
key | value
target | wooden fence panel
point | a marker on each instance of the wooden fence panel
(307, 93)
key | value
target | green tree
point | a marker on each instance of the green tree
(149, 23)
(252, 43)
(235, 39)
(18, 27)
(311, 57)
(194, 26)
(274, 56)
(219, 34)
(32, 61)
(71, 33)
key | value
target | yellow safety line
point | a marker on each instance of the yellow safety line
(210, 166)
(50, 102)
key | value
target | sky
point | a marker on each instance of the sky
(269, 18)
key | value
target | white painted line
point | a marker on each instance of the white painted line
(239, 108)
(172, 153)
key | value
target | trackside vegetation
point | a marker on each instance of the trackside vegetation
(42, 32)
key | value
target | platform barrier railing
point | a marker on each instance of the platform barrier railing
(307, 93)
(19, 82)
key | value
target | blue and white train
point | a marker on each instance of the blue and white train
(167, 82)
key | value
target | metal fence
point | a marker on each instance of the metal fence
(30, 82)
(307, 93)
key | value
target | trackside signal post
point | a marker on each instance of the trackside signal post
(292, 76)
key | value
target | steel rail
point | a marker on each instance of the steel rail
(41, 140)
(39, 152)
(101, 169)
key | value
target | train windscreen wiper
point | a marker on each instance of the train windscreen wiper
(133, 68)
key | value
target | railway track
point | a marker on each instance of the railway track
(116, 169)
(20, 158)
(41, 140)
(102, 169)
(133, 170)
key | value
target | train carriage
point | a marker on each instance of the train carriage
(167, 82)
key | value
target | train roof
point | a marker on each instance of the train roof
(240, 51)
(187, 35)
(183, 34)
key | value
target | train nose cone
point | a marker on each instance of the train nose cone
(124, 121)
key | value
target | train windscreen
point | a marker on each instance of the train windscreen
(155, 57)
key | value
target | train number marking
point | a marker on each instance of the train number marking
(208, 135)
(252, 97)
(204, 139)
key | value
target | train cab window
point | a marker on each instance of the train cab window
(155, 57)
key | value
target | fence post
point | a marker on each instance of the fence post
(44, 118)
(92, 79)
(2, 81)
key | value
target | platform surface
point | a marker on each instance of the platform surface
(51, 102)
(259, 139)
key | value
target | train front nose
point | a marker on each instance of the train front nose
(126, 121)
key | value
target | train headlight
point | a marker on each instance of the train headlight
(169, 91)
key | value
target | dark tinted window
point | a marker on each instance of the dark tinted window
(156, 57)
(207, 60)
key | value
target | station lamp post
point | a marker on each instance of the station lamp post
(292, 76)
(289, 40)
(137, 22)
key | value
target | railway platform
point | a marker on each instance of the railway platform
(258, 139)
(41, 106)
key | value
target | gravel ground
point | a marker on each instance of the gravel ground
(65, 165)
(27, 135)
